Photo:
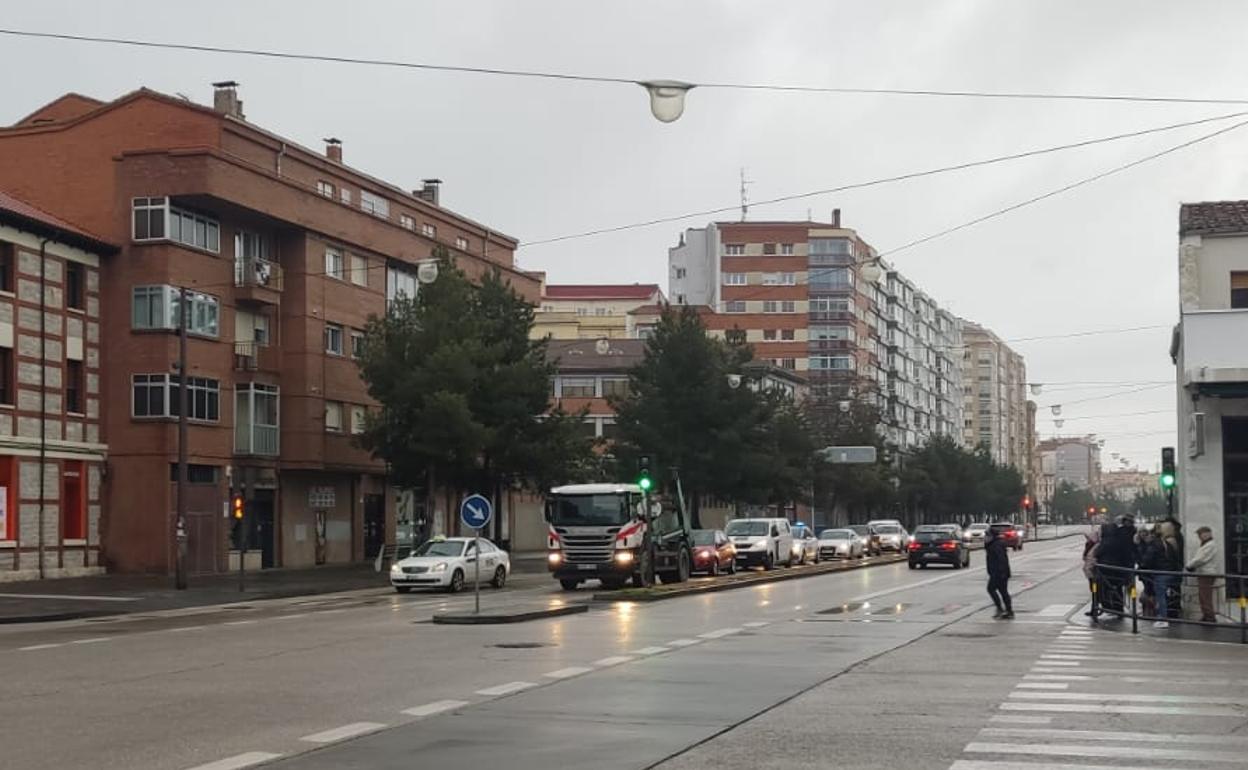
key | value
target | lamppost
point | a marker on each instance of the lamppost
(667, 98)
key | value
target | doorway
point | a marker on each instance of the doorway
(1235, 504)
(374, 525)
(258, 525)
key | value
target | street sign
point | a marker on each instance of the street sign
(475, 511)
(848, 455)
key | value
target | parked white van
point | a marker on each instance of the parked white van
(765, 542)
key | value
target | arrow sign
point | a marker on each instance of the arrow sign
(475, 511)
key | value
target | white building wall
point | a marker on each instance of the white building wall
(698, 257)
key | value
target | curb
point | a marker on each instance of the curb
(53, 617)
(496, 618)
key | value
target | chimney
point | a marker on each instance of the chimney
(333, 149)
(225, 99)
(836, 218)
(430, 190)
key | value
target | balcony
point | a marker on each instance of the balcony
(251, 356)
(258, 280)
(1214, 357)
(256, 419)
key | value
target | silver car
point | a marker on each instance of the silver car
(841, 544)
(805, 546)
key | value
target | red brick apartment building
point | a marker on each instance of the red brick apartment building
(52, 452)
(286, 252)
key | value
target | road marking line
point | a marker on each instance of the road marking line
(649, 650)
(757, 623)
(1127, 698)
(1056, 610)
(1103, 752)
(567, 673)
(612, 661)
(239, 622)
(683, 642)
(291, 617)
(185, 628)
(975, 764)
(720, 633)
(1058, 677)
(436, 707)
(1011, 719)
(1134, 659)
(1043, 685)
(1102, 708)
(238, 761)
(1052, 663)
(342, 733)
(1043, 667)
(1108, 735)
(93, 640)
(75, 597)
(39, 647)
(505, 689)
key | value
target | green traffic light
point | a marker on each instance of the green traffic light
(645, 483)
(1167, 480)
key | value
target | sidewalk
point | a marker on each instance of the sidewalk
(1223, 634)
(73, 598)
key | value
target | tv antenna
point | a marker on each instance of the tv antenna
(745, 196)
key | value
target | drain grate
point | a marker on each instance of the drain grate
(841, 609)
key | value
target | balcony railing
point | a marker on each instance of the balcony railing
(259, 273)
(1213, 349)
(246, 354)
(256, 440)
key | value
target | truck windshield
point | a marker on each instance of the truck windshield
(588, 510)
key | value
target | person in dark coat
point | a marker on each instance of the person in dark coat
(1116, 549)
(997, 557)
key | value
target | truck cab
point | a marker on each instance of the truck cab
(604, 531)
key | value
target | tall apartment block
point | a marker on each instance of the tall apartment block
(793, 289)
(284, 253)
(997, 414)
(52, 452)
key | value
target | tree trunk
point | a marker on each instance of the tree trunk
(695, 512)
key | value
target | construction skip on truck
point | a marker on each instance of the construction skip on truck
(603, 531)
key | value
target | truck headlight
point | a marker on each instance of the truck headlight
(623, 557)
(554, 557)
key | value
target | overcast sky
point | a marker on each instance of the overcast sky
(540, 158)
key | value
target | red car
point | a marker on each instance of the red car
(1011, 533)
(713, 552)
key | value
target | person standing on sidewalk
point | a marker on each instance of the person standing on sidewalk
(1148, 555)
(1092, 540)
(1204, 564)
(998, 560)
(1171, 561)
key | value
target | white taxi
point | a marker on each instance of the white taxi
(450, 562)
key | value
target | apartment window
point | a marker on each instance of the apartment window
(769, 249)
(333, 339)
(400, 283)
(788, 363)
(734, 279)
(788, 306)
(428, 230)
(832, 363)
(734, 249)
(359, 270)
(195, 473)
(249, 245)
(406, 222)
(345, 195)
(357, 343)
(333, 263)
(6, 376)
(325, 188)
(615, 386)
(75, 285)
(734, 306)
(769, 334)
(73, 387)
(374, 204)
(8, 266)
(155, 219)
(831, 278)
(73, 501)
(582, 311)
(601, 311)
(156, 307)
(610, 431)
(1239, 289)
(786, 249)
(358, 417)
(840, 246)
(771, 279)
(156, 395)
(680, 272)
(787, 334)
(333, 416)
(771, 306)
(826, 305)
(820, 332)
(577, 387)
(461, 243)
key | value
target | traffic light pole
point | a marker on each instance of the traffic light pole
(179, 534)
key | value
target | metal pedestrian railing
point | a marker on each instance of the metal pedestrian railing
(1116, 592)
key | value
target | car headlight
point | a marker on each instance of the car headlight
(439, 567)
(395, 569)
(758, 545)
(797, 548)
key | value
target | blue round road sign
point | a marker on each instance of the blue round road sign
(475, 511)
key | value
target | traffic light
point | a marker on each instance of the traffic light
(643, 473)
(1091, 510)
(1168, 475)
(1026, 502)
(236, 507)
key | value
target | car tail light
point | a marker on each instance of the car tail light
(915, 546)
(948, 545)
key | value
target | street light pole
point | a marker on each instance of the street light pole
(179, 534)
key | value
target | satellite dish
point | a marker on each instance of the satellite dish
(427, 272)
(602, 346)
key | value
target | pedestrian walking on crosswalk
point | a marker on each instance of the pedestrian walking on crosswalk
(998, 560)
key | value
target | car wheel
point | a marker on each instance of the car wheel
(457, 582)
(913, 565)
(500, 577)
(817, 559)
(569, 585)
(768, 562)
(923, 565)
(732, 566)
(403, 589)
